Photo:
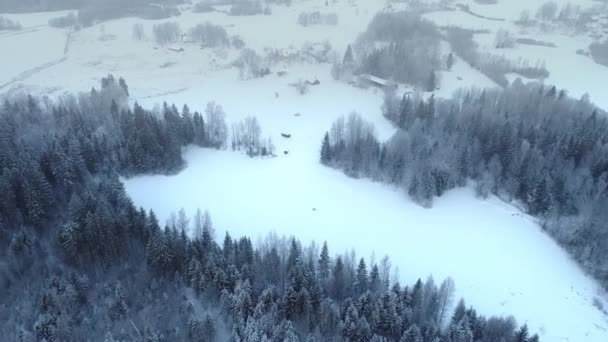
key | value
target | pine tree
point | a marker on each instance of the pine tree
(326, 153)
(338, 280)
(450, 61)
(432, 81)
(324, 264)
(522, 335)
(361, 278)
(412, 334)
(348, 56)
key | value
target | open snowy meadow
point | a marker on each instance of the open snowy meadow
(500, 259)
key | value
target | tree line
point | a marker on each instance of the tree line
(527, 143)
(79, 261)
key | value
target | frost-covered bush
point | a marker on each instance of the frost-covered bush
(216, 130)
(68, 20)
(536, 42)
(203, 7)
(524, 19)
(301, 87)
(247, 136)
(400, 46)
(251, 65)
(138, 32)
(599, 52)
(547, 11)
(209, 35)
(246, 8)
(504, 39)
(493, 66)
(167, 33)
(462, 43)
(237, 42)
(569, 15)
(7, 24)
(317, 18)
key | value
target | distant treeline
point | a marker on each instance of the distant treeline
(528, 143)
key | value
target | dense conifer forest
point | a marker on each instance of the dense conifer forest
(79, 262)
(531, 145)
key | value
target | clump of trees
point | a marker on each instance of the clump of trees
(247, 136)
(203, 7)
(493, 66)
(504, 39)
(209, 35)
(552, 16)
(138, 32)
(9, 25)
(528, 143)
(247, 7)
(167, 33)
(68, 20)
(317, 18)
(78, 261)
(251, 65)
(400, 46)
(599, 52)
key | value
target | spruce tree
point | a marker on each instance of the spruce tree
(326, 154)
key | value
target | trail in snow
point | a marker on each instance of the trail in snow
(38, 69)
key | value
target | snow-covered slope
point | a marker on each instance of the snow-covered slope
(501, 260)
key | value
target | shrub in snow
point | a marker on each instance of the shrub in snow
(209, 35)
(530, 41)
(317, 18)
(246, 8)
(599, 52)
(68, 20)
(237, 42)
(7, 24)
(203, 7)
(504, 39)
(216, 130)
(547, 11)
(246, 135)
(167, 33)
(524, 19)
(250, 65)
(493, 66)
(301, 87)
(138, 32)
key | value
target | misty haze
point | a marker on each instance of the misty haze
(304, 170)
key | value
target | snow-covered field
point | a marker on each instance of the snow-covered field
(501, 260)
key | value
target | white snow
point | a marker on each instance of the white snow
(500, 259)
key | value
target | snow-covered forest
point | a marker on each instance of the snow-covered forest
(532, 144)
(81, 262)
(303, 170)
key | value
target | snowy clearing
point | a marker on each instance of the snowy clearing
(461, 237)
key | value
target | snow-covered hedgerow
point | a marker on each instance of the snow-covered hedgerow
(8, 24)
